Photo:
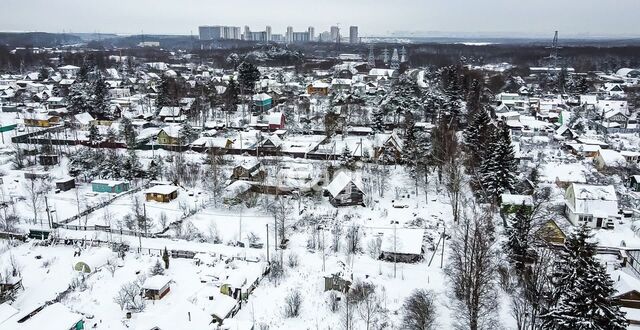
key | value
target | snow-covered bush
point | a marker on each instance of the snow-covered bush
(156, 269)
(333, 301)
(293, 260)
(293, 304)
(276, 272)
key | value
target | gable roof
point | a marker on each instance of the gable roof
(340, 181)
(593, 192)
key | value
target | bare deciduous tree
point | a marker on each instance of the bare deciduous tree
(130, 297)
(472, 271)
(419, 311)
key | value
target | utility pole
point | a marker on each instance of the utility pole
(444, 237)
(268, 260)
(323, 250)
(394, 250)
(275, 232)
(46, 204)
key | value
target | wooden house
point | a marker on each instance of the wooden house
(388, 148)
(9, 285)
(345, 191)
(162, 193)
(109, 186)
(156, 287)
(249, 171)
(552, 233)
(48, 160)
(169, 135)
(634, 182)
(271, 142)
(170, 113)
(276, 121)
(337, 282)
(66, 184)
(402, 245)
(510, 204)
(236, 192)
(318, 88)
(41, 120)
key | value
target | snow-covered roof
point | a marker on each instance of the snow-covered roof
(84, 118)
(403, 241)
(162, 189)
(6, 312)
(261, 97)
(236, 188)
(274, 118)
(220, 306)
(156, 282)
(342, 180)
(110, 183)
(55, 316)
(593, 192)
(611, 157)
(509, 199)
(623, 282)
(69, 67)
(579, 147)
(170, 112)
(275, 140)
(319, 84)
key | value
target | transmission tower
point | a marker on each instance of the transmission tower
(372, 57)
(385, 56)
(553, 56)
(403, 55)
(395, 60)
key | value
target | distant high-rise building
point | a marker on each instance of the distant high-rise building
(218, 32)
(267, 31)
(289, 34)
(335, 34)
(353, 35)
(247, 33)
(324, 37)
(312, 33)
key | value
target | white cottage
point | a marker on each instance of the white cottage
(595, 206)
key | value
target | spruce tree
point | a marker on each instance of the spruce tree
(127, 132)
(94, 135)
(477, 137)
(156, 269)
(165, 258)
(518, 242)
(100, 101)
(497, 171)
(378, 121)
(78, 98)
(582, 289)
(248, 75)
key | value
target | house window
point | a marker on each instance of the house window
(585, 218)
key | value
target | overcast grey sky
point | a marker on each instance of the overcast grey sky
(375, 17)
